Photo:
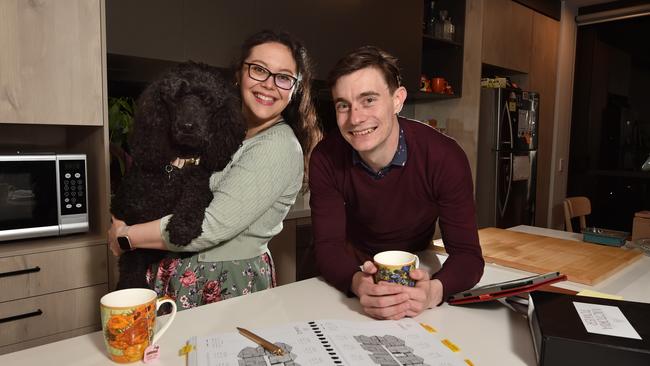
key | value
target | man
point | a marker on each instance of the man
(380, 183)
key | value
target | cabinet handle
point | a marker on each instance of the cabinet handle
(21, 316)
(20, 272)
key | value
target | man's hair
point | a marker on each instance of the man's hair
(368, 56)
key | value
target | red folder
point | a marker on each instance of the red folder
(504, 289)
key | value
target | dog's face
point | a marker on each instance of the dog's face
(190, 118)
(192, 111)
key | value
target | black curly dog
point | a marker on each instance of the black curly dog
(193, 111)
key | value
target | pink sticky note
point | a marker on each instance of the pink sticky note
(151, 353)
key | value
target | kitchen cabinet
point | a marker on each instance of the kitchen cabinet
(283, 252)
(50, 289)
(442, 57)
(542, 78)
(292, 251)
(51, 62)
(507, 32)
(52, 69)
(51, 271)
(522, 44)
(40, 316)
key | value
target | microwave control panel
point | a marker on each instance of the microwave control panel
(72, 186)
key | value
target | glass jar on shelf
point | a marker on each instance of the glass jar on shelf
(438, 30)
(431, 21)
(448, 30)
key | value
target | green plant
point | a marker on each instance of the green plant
(120, 124)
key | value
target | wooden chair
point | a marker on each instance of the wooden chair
(576, 207)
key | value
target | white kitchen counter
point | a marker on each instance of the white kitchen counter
(487, 333)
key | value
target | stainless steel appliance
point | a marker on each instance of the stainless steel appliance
(507, 157)
(42, 195)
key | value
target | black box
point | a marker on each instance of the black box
(561, 338)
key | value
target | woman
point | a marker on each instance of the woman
(253, 194)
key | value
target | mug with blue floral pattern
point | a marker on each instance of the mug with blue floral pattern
(395, 266)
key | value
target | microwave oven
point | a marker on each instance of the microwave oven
(42, 195)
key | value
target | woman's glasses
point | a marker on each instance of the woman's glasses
(261, 73)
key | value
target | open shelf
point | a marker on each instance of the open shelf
(424, 96)
(435, 42)
(443, 58)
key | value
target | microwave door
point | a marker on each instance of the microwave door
(28, 199)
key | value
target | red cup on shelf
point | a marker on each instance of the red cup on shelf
(439, 85)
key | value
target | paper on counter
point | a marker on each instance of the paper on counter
(328, 342)
(605, 319)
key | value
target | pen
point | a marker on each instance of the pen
(261, 341)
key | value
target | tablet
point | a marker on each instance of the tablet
(507, 288)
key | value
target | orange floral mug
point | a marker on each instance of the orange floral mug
(128, 322)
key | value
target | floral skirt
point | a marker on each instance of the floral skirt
(192, 283)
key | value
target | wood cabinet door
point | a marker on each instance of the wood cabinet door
(51, 271)
(51, 62)
(507, 35)
(542, 79)
(41, 316)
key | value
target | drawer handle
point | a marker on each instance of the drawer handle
(20, 272)
(21, 316)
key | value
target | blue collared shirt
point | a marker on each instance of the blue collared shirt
(399, 159)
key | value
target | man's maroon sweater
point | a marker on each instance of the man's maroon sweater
(355, 216)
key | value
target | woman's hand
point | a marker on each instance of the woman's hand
(118, 228)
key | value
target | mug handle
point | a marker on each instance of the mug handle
(417, 261)
(169, 321)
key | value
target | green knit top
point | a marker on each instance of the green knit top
(252, 196)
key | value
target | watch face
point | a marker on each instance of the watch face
(124, 242)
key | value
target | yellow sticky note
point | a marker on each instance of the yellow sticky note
(450, 345)
(428, 328)
(592, 293)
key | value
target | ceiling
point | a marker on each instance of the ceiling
(627, 35)
(581, 3)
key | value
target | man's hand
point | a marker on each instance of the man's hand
(426, 294)
(392, 301)
(382, 300)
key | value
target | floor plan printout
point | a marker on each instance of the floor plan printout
(328, 342)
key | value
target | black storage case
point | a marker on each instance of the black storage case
(561, 338)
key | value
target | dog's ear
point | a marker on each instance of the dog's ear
(149, 142)
(171, 88)
(229, 132)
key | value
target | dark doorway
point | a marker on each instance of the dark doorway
(610, 128)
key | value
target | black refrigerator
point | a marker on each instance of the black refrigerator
(507, 157)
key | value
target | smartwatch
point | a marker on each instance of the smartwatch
(125, 243)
